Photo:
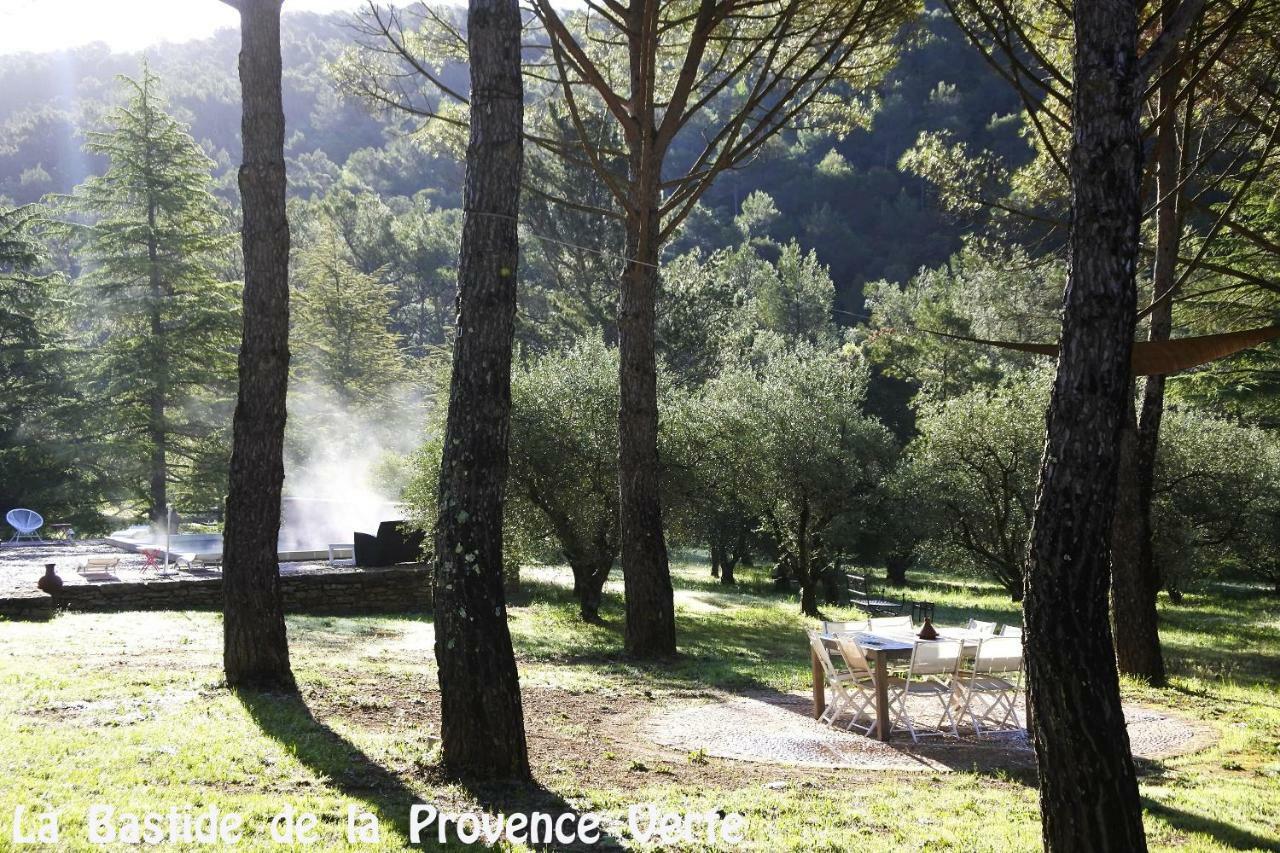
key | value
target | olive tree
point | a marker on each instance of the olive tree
(971, 476)
(1216, 503)
(564, 475)
(707, 477)
(815, 457)
(562, 481)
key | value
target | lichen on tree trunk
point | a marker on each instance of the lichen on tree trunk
(481, 716)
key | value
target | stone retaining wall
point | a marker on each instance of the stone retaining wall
(396, 589)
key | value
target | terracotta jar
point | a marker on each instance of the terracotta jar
(49, 581)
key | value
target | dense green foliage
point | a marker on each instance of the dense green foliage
(814, 460)
(563, 480)
(841, 195)
(970, 479)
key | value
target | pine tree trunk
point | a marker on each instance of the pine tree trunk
(1088, 787)
(158, 497)
(481, 717)
(651, 625)
(156, 432)
(1132, 602)
(1136, 581)
(255, 645)
(1164, 279)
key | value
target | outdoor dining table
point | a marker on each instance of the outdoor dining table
(882, 648)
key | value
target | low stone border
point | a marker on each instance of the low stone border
(395, 589)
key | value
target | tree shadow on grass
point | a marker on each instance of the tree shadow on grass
(1225, 834)
(285, 718)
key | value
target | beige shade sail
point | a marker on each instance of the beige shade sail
(1155, 358)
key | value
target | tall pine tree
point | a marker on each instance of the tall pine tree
(255, 642)
(163, 322)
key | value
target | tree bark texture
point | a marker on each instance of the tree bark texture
(804, 565)
(255, 645)
(590, 557)
(729, 562)
(724, 556)
(650, 605)
(481, 717)
(1088, 788)
(896, 566)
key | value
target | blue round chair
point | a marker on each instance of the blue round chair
(25, 522)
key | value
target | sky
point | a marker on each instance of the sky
(125, 25)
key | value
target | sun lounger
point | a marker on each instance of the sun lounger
(99, 565)
(204, 563)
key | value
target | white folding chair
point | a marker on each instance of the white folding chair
(842, 685)
(931, 662)
(832, 629)
(988, 628)
(860, 688)
(986, 691)
(1010, 631)
(890, 623)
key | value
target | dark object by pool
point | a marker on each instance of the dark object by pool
(49, 581)
(395, 543)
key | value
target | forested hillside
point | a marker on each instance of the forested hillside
(374, 212)
(845, 197)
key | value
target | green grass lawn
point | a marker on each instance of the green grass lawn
(126, 710)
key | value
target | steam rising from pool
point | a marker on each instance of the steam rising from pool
(345, 464)
(345, 468)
